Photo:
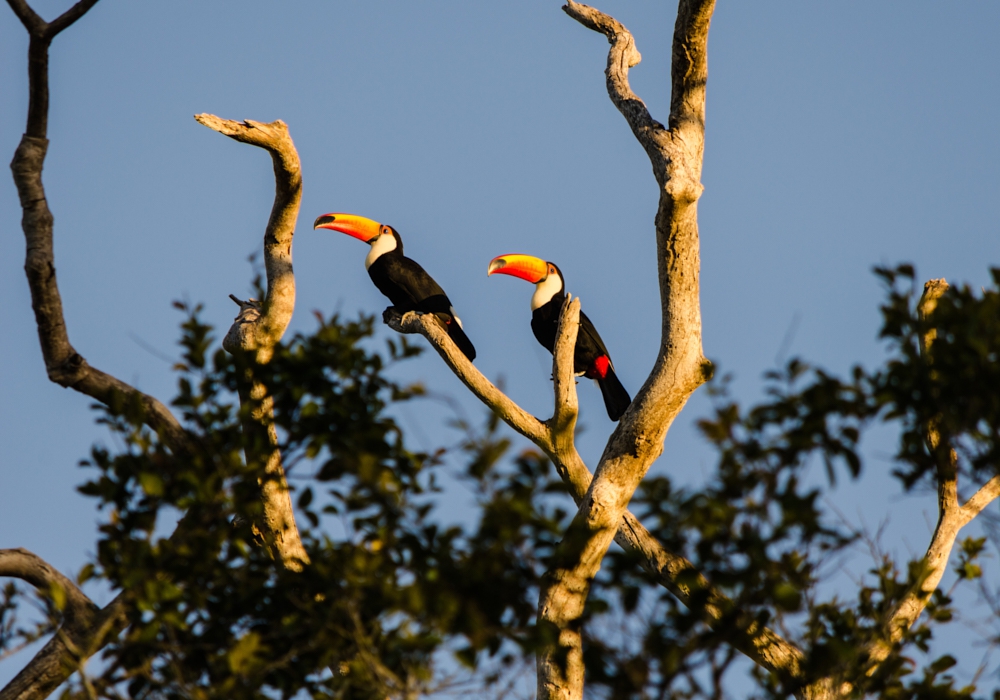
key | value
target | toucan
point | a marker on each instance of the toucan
(590, 357)
(407, 285)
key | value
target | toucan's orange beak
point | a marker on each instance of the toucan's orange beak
(527, 267)
(357, 226)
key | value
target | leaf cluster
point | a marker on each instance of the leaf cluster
(400, 600)
(759, 531)
(392, 588)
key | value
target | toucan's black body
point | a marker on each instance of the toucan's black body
(590, 357)
(407, 285)
(410, 288)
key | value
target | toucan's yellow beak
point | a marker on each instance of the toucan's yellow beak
(527, 267)
(357, 226)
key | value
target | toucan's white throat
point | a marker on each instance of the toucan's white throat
(379, 247)
(545, 290)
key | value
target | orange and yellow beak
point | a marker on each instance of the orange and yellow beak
(527, 267)
(357, 226)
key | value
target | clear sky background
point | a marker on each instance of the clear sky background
(839, 136)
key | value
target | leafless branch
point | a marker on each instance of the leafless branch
(562, 425)
(65, 366)
(989, 492)
(30, 568)
(680, 368)
(258, 328)
(41, 34)
(262, 331)
(85, 628)
(670, 570)
(951, 515)
(512, 414)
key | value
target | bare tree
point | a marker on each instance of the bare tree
(602, 495)
(256, 330)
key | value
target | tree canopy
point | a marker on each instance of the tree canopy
(272, 531)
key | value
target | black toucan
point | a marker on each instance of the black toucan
(590, 357)
(407, 285)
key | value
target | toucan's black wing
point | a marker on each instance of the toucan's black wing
(589, 344)
(589, 348)
(405, 282)
(410, 288)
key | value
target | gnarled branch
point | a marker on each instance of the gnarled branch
(670, 570)
(952, 516)
(260, 333)
(84, 629)
(30, 568)
(64, 365)
(259, 326)
(680, 368)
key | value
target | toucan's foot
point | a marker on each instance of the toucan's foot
(390, 314)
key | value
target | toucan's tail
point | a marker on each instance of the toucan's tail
(616, 398)
(440, 306)
(461, 340)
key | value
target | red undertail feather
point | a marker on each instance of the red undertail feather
(599, 370)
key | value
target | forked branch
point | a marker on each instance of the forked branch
(680, 368)
(952, 516)
(670, 570)
(64, 365)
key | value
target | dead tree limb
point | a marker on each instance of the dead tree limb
(670, 570)
(64, 365)
(675, 153)
(260, 325)
(87, 630)
(676, 157)
(83, 630)
(952, 517)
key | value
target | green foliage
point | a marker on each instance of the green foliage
(757, 529)
(389, 589)
(399, 601)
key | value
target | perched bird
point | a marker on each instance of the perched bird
(590, 357)
(407, 285)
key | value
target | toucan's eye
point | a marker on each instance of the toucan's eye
(385, 229)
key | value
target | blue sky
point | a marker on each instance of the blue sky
(839, 136)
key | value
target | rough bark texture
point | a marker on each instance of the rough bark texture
(676, 157)
(259, 326)
(675, 152)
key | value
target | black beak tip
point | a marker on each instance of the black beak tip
(325, 219)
